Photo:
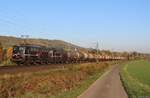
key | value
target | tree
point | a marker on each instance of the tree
(9, 52)
(4, 55)
(1, 52)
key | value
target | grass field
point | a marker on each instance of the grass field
(136, 79)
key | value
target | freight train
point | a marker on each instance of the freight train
(36, 54)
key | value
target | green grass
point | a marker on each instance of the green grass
(136, 78)
(141, 71)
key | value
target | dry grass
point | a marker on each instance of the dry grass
(47, 83)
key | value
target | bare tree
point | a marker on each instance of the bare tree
(1, 52)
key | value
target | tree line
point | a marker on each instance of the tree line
(5, 54)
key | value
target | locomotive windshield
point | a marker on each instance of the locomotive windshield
(18, 49)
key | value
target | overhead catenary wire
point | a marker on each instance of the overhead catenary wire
(4, 19)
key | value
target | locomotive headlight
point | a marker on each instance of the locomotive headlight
(37, 54)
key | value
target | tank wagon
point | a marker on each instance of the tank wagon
(36, 54)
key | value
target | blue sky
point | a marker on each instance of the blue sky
(117, 24)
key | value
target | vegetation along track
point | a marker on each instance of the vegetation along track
(45, 84)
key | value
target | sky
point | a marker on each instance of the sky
(118, 25)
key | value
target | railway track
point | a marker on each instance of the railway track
(29, 68)
(14, 69)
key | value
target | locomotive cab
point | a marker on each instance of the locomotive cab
(18, 54)
(18, 49)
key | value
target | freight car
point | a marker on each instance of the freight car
(36, 54)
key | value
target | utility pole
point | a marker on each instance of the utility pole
(97, 47)
(97, 50)
(68, 51)
(69, 47)
(24, 37)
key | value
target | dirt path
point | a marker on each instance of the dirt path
(108, 86)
